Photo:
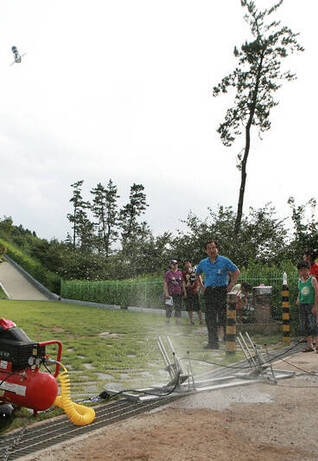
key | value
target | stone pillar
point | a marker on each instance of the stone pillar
(262, 300)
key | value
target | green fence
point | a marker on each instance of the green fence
(150, 293)
(143, 294)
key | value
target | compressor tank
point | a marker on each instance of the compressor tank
(29, 388)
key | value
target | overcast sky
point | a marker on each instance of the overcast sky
(122, 89)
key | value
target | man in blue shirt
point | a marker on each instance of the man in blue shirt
(220, 275)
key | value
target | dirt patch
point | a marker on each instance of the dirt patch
(256, 423)
(58, 330)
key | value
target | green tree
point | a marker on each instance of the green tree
(305, 228)
(77, 201)
(78, 264)
(50, 254)
(85, 231)
(256, 79)
(262, 238)
(105, 210)
(81, 225)
(129, 214)
(6, 225)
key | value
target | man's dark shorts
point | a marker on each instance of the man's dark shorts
(192, 302)
(307, 320)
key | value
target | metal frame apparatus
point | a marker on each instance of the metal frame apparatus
(182, 382)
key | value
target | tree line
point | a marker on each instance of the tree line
(108, 242)
(99, 224)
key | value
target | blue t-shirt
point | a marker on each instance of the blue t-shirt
(216, 273)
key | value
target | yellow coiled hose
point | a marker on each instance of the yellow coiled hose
(78, 414)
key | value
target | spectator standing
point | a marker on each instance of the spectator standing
(173, 286)
(310, 257)
(221, 275)
(192, 286)
(307, 301)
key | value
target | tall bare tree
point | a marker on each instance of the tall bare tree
(256, 79)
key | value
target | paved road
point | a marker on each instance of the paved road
(16, 286)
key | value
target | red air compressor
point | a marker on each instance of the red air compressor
(22, 384)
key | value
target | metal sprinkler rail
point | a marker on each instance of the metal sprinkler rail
(183, 382)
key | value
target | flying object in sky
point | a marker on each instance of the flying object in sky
(17, 55)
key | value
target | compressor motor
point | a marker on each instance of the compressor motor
(17, 350)
(22, 384)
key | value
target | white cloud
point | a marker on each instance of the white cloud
(123, 90)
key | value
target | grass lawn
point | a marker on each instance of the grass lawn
(114, 342)
(113, 347)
